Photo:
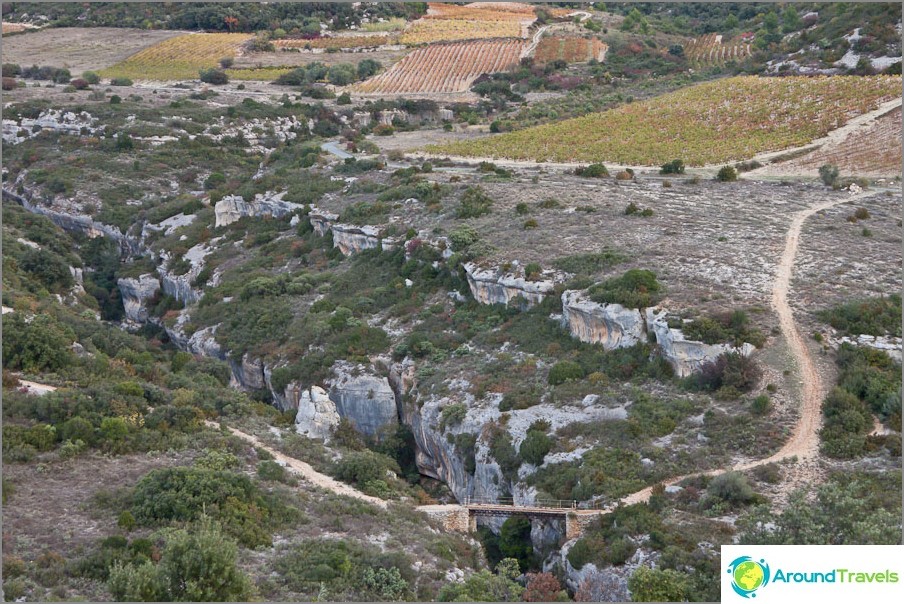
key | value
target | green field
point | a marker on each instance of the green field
(727, 120)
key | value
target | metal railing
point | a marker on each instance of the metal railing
(551, 504)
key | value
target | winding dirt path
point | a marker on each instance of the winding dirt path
(804, 441)
(303, 469)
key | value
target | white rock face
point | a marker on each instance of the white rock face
(135, 292)
(317, 415)
(351, 239)
(686, 356)
(321, 220)
(64, 122)
(234, 207)
(490, 286)
(365, 399)
(611, 325)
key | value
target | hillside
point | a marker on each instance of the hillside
(717, 122)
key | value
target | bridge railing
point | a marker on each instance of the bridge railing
(553, 504)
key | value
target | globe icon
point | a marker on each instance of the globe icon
(748, 575)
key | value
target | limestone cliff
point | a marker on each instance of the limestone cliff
(135, 293)
(495, 286)
(365, 399)
(351, 239)
(686, 356)
(611, 325)
(234, 207)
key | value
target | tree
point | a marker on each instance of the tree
(791, 21)
(543, 587)
(344, 99)
(341, 75)
(515, 542)
(828, 174)
(535, 446)
(41, 344)
(564, 371)
(368, 68)
(768, 34)
(48, 268)
(654, 585)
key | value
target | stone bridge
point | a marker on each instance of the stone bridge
(462, 517)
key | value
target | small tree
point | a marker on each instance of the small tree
(91, 77)
(828, 174)
(564, 371)
(727, 174)
(344, 99)
(217, 77)
(676, 166)
(226, 62)
(543, 587)
(535, 446)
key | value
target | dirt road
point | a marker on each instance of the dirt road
(804, 441)
(303, 469)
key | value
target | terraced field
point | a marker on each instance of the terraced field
(444, 68)
(569, 49)
(338, 42)
(178, 58)
(711, 50)
(727, 120)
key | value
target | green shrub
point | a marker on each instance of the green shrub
(362, 467)
(828, 174)
(474, 203)
(564, 371)
(452, 415)
(41, 344)
(184, 494)
(676, 166)
(535, 446)
(515, 541)
(120, 82)
(726, 328)
(270, 470)
(592, 171)
(732, 488)
(462, 237)
(727, 174)
(195, 566)
(635, 289)
(872, 316)
(657, 585)
(216, 77)
(589, 264)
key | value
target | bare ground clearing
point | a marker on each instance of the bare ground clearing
(80, 48)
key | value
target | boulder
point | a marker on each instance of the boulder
(351, 239)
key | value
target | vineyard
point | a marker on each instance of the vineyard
(726, 120)
(709, 50)
(569, 49)
(871, 150)
(445, 68)
(337, 42)
(475, 21)
(178, 58)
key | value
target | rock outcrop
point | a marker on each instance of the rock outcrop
(494, 286)
(317, 414)
(351, 239)
(686, 356)
(887, 344)
(135, 293)
(233, 208)
(321, 220)
(611, 325)
(364, 399)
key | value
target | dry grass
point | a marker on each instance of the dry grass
(569, 49)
